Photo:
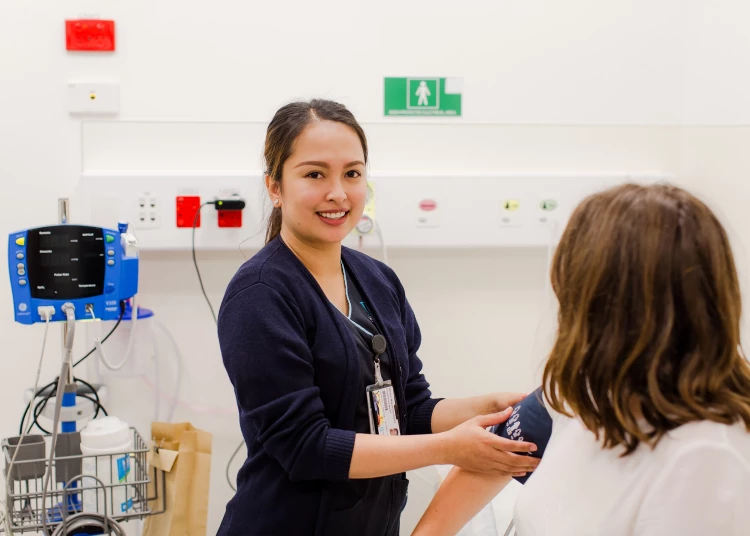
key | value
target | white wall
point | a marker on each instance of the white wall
(577, 85)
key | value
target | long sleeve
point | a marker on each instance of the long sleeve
(705, 489)
(270, 365)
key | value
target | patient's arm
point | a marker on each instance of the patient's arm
(461, 497)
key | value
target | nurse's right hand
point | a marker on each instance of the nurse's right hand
(471, 447)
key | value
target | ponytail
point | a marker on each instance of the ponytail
(274, 225)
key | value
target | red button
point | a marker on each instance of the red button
(427, 205)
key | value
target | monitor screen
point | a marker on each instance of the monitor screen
(65, 262)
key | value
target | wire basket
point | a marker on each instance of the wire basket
(121, 491)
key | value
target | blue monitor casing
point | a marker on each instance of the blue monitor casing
(78, 264)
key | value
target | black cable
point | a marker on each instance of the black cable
(203, 289)
(98, 405)
(91, 387)
(195, 262)
(39, 408)
(28, 406)
(54, 382)
(122, 313)
(229, 463)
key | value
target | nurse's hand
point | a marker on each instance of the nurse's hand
(497, 402)
(471, 447)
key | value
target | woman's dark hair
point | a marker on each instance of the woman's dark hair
(649, 319)
(285, 127)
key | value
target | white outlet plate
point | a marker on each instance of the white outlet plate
(548, 218)
(428, 210)
(147, 211)
(515, 217)
(93, 98)
(469, 206)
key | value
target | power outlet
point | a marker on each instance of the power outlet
(230, 218)
(511, 212)
(428, 212)
(187, 211)
(148, 211)
(547, 212)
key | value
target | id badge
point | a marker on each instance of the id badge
(381, 404)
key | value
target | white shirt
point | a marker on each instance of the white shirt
(695, 483)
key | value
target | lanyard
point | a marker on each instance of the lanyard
(378, 342)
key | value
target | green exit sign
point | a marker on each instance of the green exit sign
(423, 96)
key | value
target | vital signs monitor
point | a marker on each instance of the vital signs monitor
(82, 265)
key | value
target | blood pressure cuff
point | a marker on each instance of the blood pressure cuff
(528, 422)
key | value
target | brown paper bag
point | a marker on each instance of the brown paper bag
(184, 454)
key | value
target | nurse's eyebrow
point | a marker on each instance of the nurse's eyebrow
(325, 165)
(312, 163)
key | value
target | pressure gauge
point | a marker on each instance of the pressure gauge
(365, 224)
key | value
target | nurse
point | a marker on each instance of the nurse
(320, 344)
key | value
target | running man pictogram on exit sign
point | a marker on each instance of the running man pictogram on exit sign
(423, 96)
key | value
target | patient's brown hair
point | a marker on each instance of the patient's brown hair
(649, 318)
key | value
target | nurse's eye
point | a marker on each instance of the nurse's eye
(315, 175)
(353, 174)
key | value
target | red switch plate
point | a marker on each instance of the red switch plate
(187, 206)
(90, 35)
(230, 218)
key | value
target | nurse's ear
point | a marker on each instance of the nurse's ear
(274, 190)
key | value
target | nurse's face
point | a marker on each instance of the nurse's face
(323, 185)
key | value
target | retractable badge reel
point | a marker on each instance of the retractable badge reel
(381, 398)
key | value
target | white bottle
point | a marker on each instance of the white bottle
(107, 446)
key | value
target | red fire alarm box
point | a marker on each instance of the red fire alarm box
(90, 35)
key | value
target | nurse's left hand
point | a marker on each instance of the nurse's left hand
(497, 402)
(451, 412)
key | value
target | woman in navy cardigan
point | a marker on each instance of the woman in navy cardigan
(305, 327)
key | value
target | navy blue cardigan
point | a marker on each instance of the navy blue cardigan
(293, 362)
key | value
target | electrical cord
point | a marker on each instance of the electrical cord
(39, 408)
(9, 473)
(98, 343)
(92, 388)
(53, 382)
(231, 459)
(28, 406)
(69, 311)
(178, 357)
(119, 320)
(213, 313)
(97, 404)
(195, 262)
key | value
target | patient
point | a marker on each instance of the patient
(646, 388)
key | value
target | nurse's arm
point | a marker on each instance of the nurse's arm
(451, 412)
(469, 446)
(461, 497)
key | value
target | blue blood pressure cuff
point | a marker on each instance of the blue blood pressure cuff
(530, 421)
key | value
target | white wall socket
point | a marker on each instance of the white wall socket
(428, 212)
(511, 211)
(93, 98)
(547, 211)
(148, 211)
